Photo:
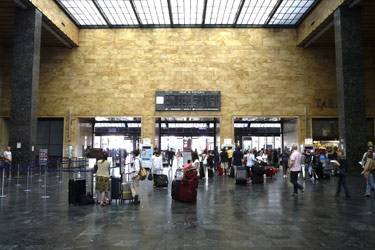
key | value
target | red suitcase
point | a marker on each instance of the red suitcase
(220, 170)
(188, 192)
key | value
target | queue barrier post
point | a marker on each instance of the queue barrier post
(10, 173)
(27, 180)
(18, 176)
(2, 185)
(60, 173)
(45, 196)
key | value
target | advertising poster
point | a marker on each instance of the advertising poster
(146, 155)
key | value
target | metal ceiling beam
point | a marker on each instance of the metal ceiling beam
(204, 13)
(95, 2)
(57, 35)
(20, 4)
(319, 34)
(136, 13)
(275, 8)
(238, 13)
(170, 12)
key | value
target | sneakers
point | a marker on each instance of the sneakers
(284, 176)
(136, 200)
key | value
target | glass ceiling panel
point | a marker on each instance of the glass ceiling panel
(187, 12)
(84, 12)
(153, 12)
(118, 12)
(221, 11)
(256, 12)
(291, 11)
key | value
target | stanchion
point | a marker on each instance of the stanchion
(58, 172)
(40, 174)
(10, 173)
(2, 185)
(18, 176)
(45, 196)
(27, 180)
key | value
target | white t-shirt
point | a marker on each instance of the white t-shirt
(157, 164)
(296, 157)
(8, 154)
(250, 160)
(136, 167)
(196, 162)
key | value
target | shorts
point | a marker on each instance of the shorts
(224, 165)
(285, 165)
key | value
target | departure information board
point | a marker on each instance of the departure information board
(187, 101)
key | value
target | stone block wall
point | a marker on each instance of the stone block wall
(115, 72)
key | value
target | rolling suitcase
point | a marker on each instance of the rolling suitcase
(258, 179)
(77, 188)
(220, 170)
(115, 188)
(201, 170)
(126, 192)
(161, 180)
(241, 175)
(231, 173)
(188, 190)
(176, 184)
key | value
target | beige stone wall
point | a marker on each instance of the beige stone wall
(115, 72)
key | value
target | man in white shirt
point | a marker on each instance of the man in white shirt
(135, 169)
(7, 158)
(295, 169)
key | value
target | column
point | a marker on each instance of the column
(25, 84)
(350, 83)
(226, 128)
(148, 128)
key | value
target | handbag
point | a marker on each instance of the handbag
(150, 176)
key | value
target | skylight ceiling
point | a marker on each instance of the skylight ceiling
(187, 13)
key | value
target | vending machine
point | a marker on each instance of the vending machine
(146, 155)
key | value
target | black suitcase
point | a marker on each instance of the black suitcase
(258, 179)
(115, 188)
(176, 184)
(259, 170)
(161, 180)
(210, 173)
(231, 173)
(326, 175)
(77, 188)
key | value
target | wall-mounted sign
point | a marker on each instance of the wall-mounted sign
(146, 140)
(227, 141)
(187, 101)
(308, 141)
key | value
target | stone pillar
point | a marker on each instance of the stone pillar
(148, 128)
(25, 83)
(350, 83)
(226, 129)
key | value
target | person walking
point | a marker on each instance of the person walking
(216, 159)
(249, 161)
(303, 167)
(224, 160)
(170, 155)
(179, 159)
(156, 165)
(295, 168)
(102, 178)
(284, 161)
(7, 159)
(230, 155)
(369, 172)
(342, 172)
(237, 159)
(135, 169)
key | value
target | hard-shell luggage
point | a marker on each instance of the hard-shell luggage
(161, 180)
(115, 188)
(257, 179)
(221, 172)
(270, 172)
(126, 192)
(77, 188)
(188, 190)
(231, 173)
(210, 172)
(176, 190)
(241, 175)
(190, 174)
(259, 170)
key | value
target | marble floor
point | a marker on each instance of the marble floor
(226, 216)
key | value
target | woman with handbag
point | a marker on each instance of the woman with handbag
(369, 172)
(342, 173)
(102, 178)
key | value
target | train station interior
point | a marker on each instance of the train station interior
(83, 80)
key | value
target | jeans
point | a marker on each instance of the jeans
(293, 180)
(370, 184)
(342, 181)
(303, 170)
(170, 162)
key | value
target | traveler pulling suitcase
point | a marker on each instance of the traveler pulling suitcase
(241, 175)
(258, 172)
(188, 190)
(77, 188)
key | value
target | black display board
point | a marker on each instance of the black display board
(187, 101)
